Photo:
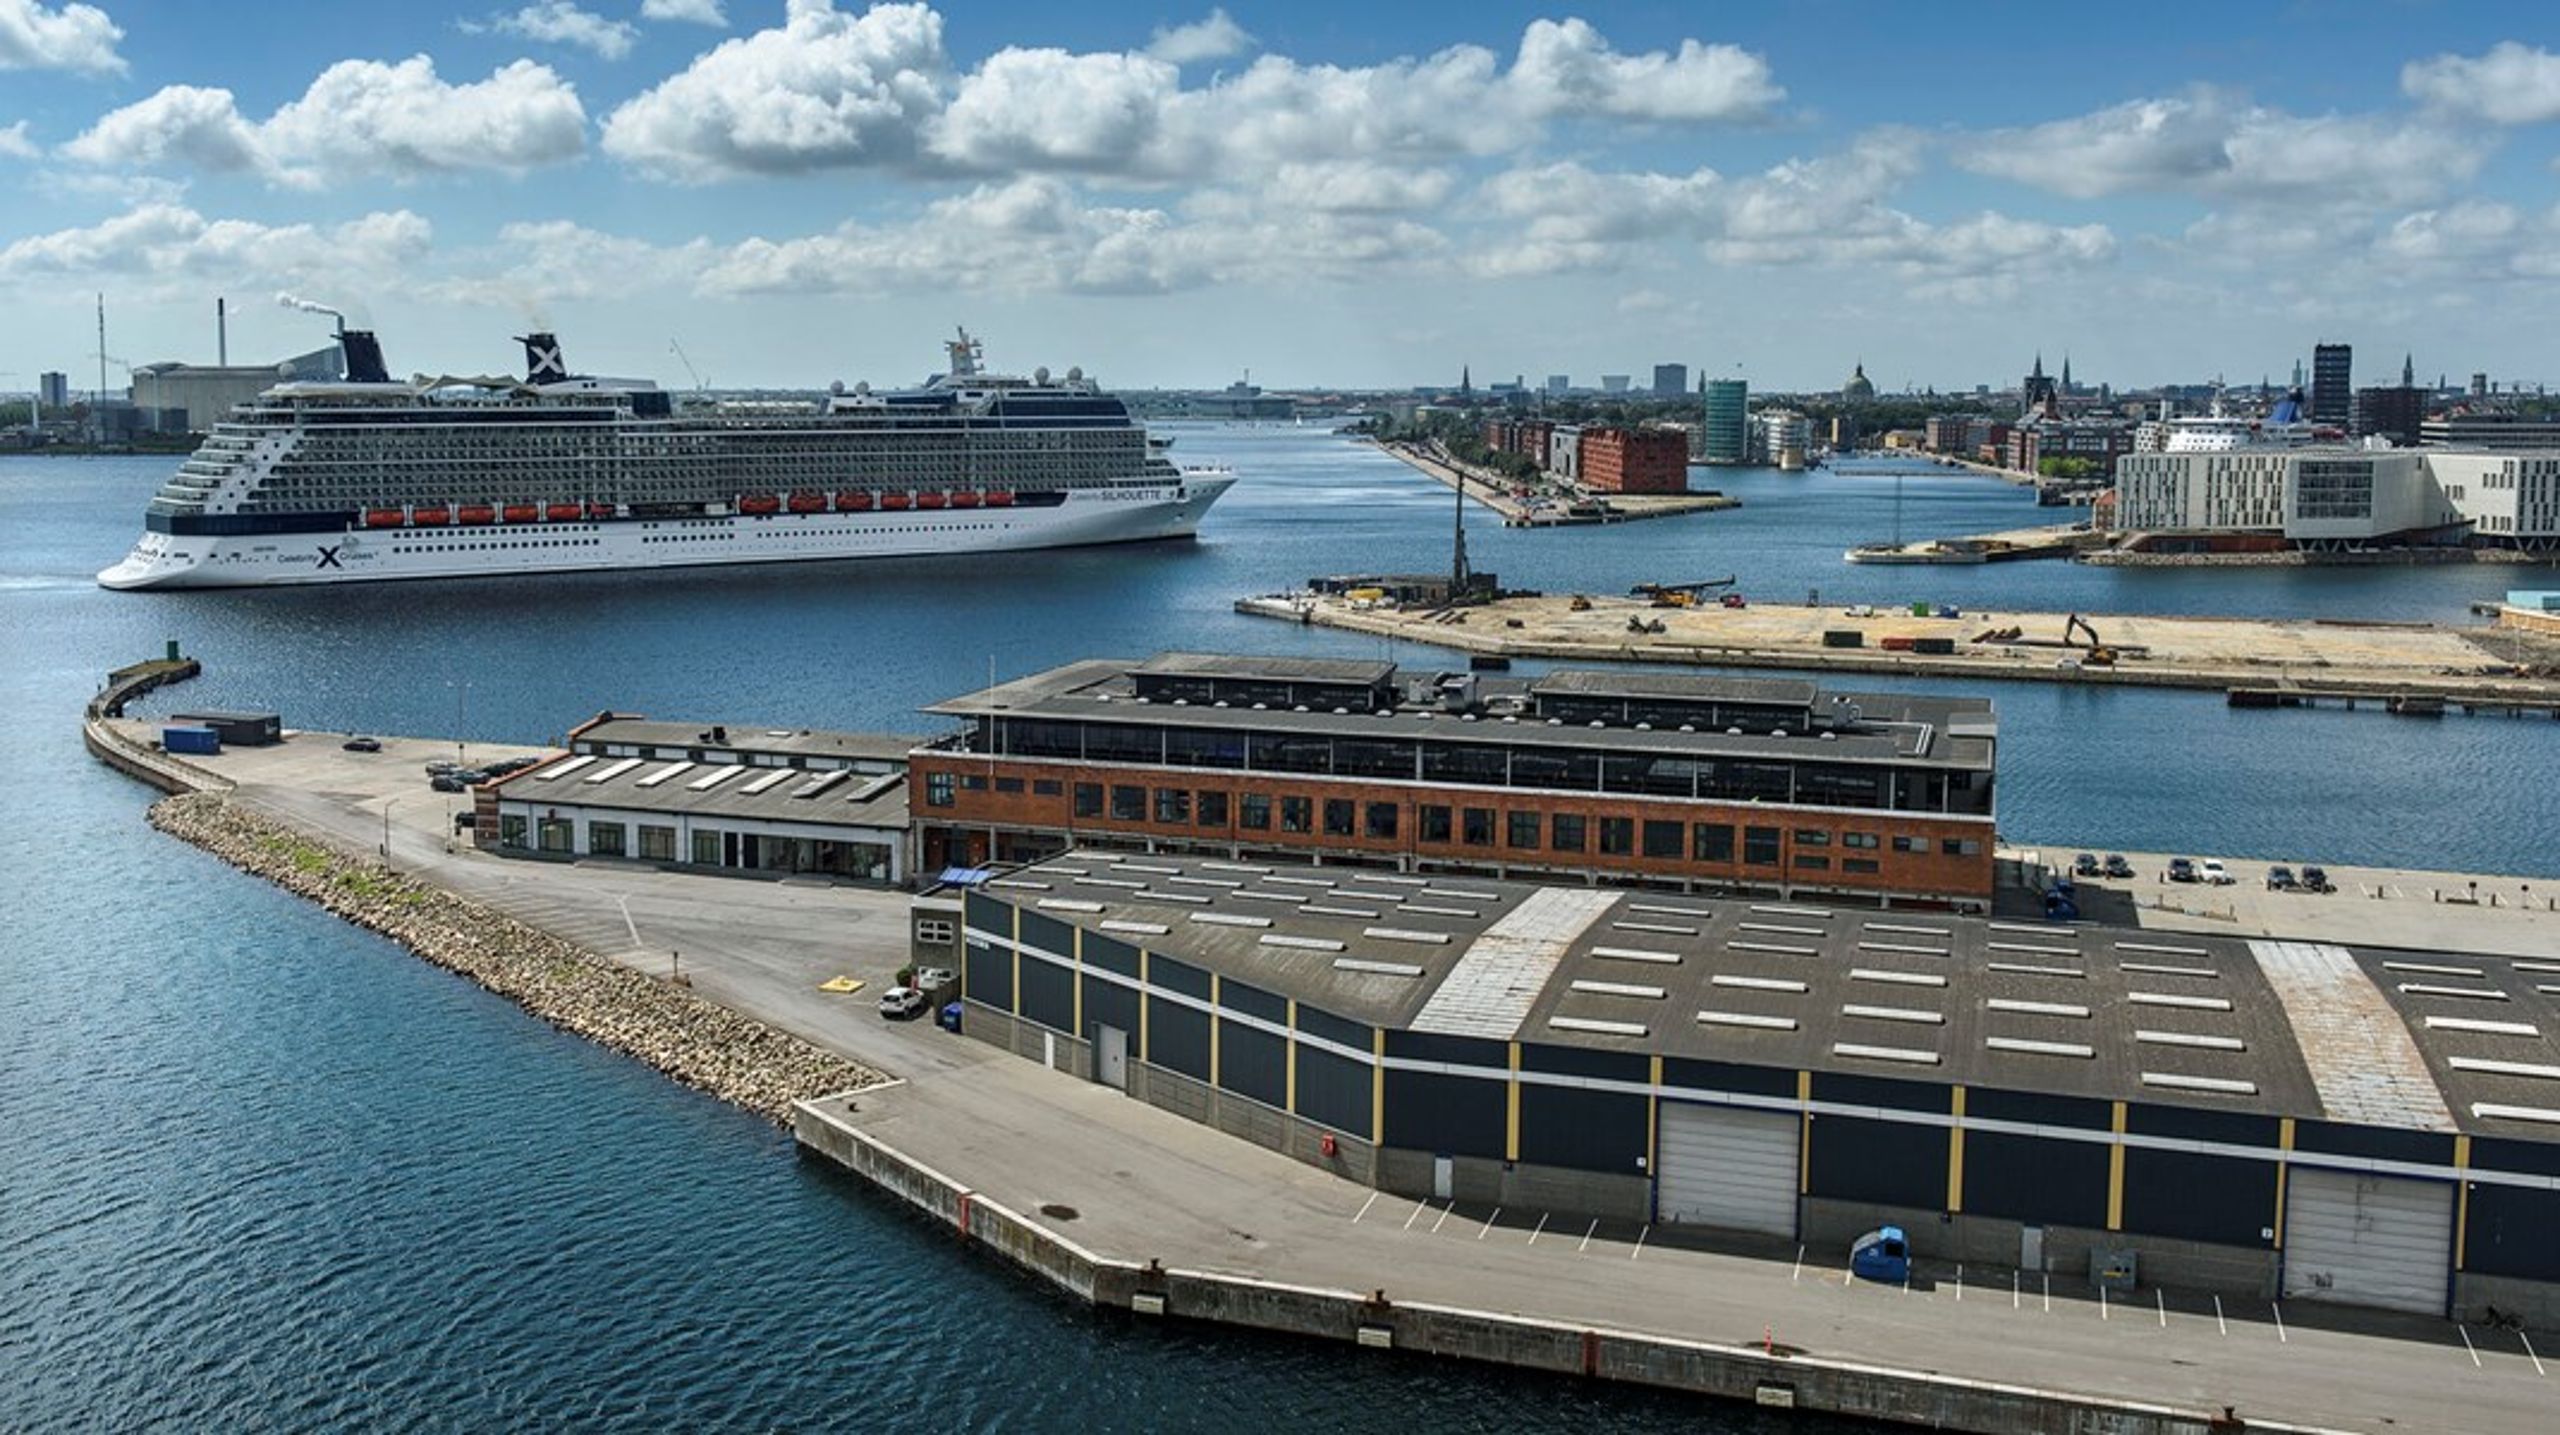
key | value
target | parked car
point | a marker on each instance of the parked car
(2118, 867)
(436, 765)
(2213, 874)
(507, 765)
(2182, 869)
(902, 1004)
(362, 744)
(448, 782)
(2085, 865)
(934, 979)
(2280, 879)
(2315, 879)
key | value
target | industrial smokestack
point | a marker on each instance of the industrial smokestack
(364, 357)
(221, 333)
(542, 361)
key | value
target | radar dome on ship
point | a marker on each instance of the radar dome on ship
(1075, 373)
(1040, 375)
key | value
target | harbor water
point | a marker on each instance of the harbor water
(259, 1168)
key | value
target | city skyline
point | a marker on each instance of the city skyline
(1323, 196)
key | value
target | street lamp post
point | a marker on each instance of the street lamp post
(461, 691)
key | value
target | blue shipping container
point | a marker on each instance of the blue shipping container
(197, 741)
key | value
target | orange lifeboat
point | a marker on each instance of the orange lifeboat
(759, 504)
(931, 498)
(808, 503)
(475, 513)
(999, 498)
(383, 517)
(563, 512)
(854, 500)
(433, 516)
(964, 498)
(893, 501)
(523, 512)
(599, 510)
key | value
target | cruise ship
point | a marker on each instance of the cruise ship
(370, 478)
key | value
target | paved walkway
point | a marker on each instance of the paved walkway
(1143, 1183)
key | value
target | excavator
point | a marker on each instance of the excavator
(2097, 654)
(1678, 595)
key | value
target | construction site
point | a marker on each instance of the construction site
(2411, 668)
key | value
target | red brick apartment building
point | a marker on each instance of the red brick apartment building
(1617, 460)
(1674, 780)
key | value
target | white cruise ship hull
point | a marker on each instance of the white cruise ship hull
(1120, 513)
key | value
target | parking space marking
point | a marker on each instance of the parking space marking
(1797, 1273)
(1639, 1250)
(1418, 1209)
(1488, 1223)
(1364, 1207)
(2281, 1337)
(1587, 1235)
(1444, 1216)
(2528, 1352)
(2218, 1322)
(1542, 1228)
(2468, 1348)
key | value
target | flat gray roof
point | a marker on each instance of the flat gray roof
(1253, 667)
(752, 738)
(2311, 1030)
(1692, 687)
(764, 793)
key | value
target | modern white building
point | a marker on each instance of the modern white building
(2325, 494)
(1564, 452)
(2511, 499)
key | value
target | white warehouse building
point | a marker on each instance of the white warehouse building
(2326, 495)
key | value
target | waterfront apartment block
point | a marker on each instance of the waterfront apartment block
(1724, 432)
(1771, 786)
(2320, 1123)
(2328, 495)
(1622, 460)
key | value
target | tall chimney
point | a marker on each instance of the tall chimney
(221, 333)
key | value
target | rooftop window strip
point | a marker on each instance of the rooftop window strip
(2479, 1027)
(1747, 1019)
(677, 769)
(2040, 1048)
(2175, 1000)
(1476, 894)
(2059, 933)
(2211, 1085)
(2520, 964)
(1228, 884)
(2428, 989)
(1907, 1055)
(2486, 1066)
(1069, 904)
(1901, 929)
(1903, 947)
(1773, 948)
(2026, 1008)
(2196, 1039)
(1188, 899)
(2158, 969)
(2027, 949)
(1668, 929)
(2432, 969)
(771, 779)
(1662, 909)
(1144, 867)
(2501, 1111)
(1900, 979)
(1235, 867)
(1314, 910)
(1598, 1027)
(1228, 919)
(1376, 968)
(2162, 949)
(1142, 929)
(1780, 930)
(612, 770)
(1780, 911)
(1757, 984)
(1440, 911)
(1300, 881)
(1405, 934)
(1292, 898)
(1309, 944)
(1620, 989)
(1125, 884)
(1919, 1016)
(1019, 884)
(1637, 954)
(1358, 894)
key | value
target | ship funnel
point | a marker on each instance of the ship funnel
(542, 361)
(364, 357)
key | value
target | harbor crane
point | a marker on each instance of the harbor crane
(690, 371)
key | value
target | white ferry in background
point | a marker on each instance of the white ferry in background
(369, 478)
(2220, 432)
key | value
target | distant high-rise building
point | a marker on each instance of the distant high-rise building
(2394, 413)
(2479, 385)
(2332, 391)
(1725, 434)
(1613, 383)
(1670, 381)
(1559, 383)
(54, 388)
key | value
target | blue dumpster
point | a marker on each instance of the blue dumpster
(950, 1016)
(1882, 1255)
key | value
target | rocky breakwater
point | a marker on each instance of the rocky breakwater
(697, 1042)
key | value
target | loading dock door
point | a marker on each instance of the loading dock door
(2367, 1240)
(1111, 1056)
(1727, 1166)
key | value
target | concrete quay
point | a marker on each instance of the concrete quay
(1131, 1207)
(1493, 493)
(2314, 658)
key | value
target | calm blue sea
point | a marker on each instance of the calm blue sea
(261, 1170)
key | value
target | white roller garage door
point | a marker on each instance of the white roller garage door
(1727, 1166)
(2367, 1240)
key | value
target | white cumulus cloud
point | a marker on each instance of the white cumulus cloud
(360, 117)
(1567, 67)
(14, 143)
(687, 12)
(2512, 84)
(827, 90)
(80, 38)
(1213, 38)
(168, 243)
(561, 22)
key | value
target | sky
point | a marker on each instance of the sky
(1171, 194)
